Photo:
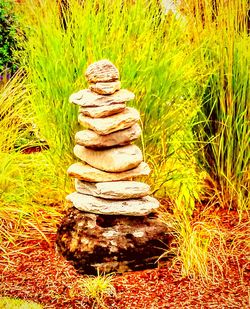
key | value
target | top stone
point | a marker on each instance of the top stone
(102, 71)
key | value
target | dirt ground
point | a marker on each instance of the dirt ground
(39, 274)
(35, 271)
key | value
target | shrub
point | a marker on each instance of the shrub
(7, 35)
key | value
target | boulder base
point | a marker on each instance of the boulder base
(111, 243)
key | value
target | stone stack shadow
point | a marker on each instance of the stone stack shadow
(112, 225)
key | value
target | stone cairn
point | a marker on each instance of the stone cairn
(112, 224)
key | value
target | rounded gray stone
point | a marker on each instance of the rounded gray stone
(91, 139)
(102, 111)
(116, 190)
(130, 207)
(87, 98)
(102, 71)
(83, 171)
(117, 159)
(107, 125)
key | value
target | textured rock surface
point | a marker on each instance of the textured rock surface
(88, 173)
(88, 98)
(118, 159)
(119, 190)
(111, 243)
(102, 111)
(105, 88)
(91, 139)
(104, 126)
(102, 71)
(131, 207)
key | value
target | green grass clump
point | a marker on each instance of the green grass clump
(222, 139)
(222, 125)
(154, 60)
(30, 190)
(97, 288)
(199, 246)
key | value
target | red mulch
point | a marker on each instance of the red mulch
(39, 274)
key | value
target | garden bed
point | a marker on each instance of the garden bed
(36, 272)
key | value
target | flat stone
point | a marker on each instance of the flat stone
(93, 140)
(104, 126)
(112, 243)
(88, 98)
(118, 159)
(102, 111)
(102, 71)
(105, 88)
(85, 172)
(131, 207)
(119, 190)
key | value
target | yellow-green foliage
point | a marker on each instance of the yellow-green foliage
(15, 113)
(14, 303)
(222, 136)
(222, 125)
(30, 187)
(97, 289)
(191, 81)
(150, 50)
(200, 247)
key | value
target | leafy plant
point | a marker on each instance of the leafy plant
(7, 35)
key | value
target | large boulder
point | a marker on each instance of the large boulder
(111, 243)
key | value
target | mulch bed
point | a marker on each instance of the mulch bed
(40, 274)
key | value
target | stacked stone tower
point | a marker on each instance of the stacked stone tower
(112, 225)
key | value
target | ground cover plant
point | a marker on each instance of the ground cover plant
(190, 77)
(9, 303)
